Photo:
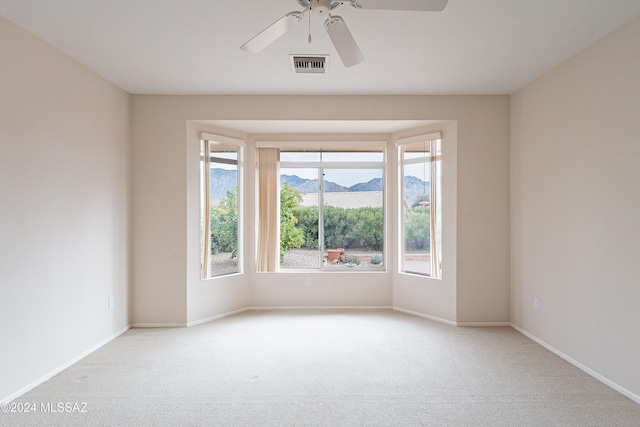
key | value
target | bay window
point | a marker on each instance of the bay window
(420, 205)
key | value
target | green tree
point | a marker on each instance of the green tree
(224, 224)
(290, 235)
(308, 223)
(417, 228)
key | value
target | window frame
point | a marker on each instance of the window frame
(434, 140)
(320, 166)
(207, 140)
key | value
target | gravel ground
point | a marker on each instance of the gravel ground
(294, 259)
(308, 258)
(300, 258)
(222, 263)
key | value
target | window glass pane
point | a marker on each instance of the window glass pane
(352, 157)
(421, 208)
(347, 233)
(305, 156)
(353, 222)
(222, 155)
(416, 150)
(417, 218)
(222, 199)
(422, 155)
(299, 218)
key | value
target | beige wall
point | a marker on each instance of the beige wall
(207, 299)
(165, 223)
(436, 298)
(64, 209)
(575, 200)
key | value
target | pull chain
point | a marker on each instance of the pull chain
(309, 39)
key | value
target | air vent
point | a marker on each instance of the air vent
(310, 64)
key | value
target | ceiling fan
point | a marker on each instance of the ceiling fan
(335, 26)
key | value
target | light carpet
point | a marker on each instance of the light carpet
(325, 368)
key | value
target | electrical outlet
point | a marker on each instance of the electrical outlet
(536, 304)
(308, 281)
(110, 303)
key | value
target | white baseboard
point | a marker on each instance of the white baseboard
(158, 325)
(482, 324)
(216, 317)
(241, 310)
(451, 322)
(579, 365)
(426, 316)
(59, 369)
(323, 307)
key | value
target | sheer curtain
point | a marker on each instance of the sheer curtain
(434, 168)
(205, 204)
(268, 254)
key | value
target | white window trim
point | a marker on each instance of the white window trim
(329, 146)
(418, 138)
(401, 162)
(221, 140)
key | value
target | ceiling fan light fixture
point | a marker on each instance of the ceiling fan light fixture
(321, 7)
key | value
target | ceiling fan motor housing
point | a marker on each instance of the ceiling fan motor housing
(321, 7)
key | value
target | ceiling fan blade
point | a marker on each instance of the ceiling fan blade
(418, 5)
(272, 32)
(343, 41)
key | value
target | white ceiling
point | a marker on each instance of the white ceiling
(192, 46)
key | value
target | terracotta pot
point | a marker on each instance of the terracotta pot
(333, 254)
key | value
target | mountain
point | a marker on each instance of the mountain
(414, 187)
(373, 185)
(225, 180)
(310, 185)
(292, 180)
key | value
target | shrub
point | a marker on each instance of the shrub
(366, 228)
(417, 228)
(343, 228)
(376, 259)
(336, 227)
(351, 259)
(290, 235)
(224, 225)
(308, 224)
